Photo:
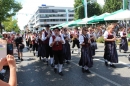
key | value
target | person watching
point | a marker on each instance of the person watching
(9, 60)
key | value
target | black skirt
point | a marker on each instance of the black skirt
(110, 53)
(86, 57)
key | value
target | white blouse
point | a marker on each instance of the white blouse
(106, 34)
(51, 40)
(81, 38)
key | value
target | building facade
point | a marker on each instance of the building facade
(50, 15)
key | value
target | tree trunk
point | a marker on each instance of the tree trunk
(1, 28)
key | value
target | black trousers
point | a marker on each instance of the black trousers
(35, 47)
(75, 42)
(49, 51)
(27, 43)
(58, 57)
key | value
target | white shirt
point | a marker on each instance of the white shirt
(43, 35)
(51, 40)
(81, 38)
(66, 35)
(106, 34)
(121, 34)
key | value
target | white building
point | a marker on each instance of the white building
(50, 15)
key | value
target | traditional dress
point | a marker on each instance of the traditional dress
(76, 41)
(93, 43)
(57, 51)
(35, 44)
(124, 43)
(66, 48)
(48, 49)
(110, 53)
(86, 56)
(41, 49)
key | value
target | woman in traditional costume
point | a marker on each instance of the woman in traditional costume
(110, 54)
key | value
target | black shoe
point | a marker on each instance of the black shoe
(34, 54)
(21, 59)
(106, 63)
(83, 70)
(67, 62)
(52, 65)
(44, 60)
(40, 58)
(113, 66)
(60, 73)
(47, 62)
(87, 71)
(55, 70)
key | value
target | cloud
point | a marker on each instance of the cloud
(30, 6)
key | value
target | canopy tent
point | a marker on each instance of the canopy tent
(99, 18)
(85, 20)
(60, 25)
(122, 15)
(72, 23)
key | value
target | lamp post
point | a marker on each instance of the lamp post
(85, 8)
(67, 15)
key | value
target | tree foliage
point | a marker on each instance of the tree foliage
(112, 5)
(8, 8)
(11, 25)
(93, 9)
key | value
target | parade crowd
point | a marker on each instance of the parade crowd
(54, 45)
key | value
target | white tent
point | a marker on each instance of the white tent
(124, 15)
(84, 21)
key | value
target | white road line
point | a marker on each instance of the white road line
(120, 62)
(100, 76)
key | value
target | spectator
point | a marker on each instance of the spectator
(13, 77)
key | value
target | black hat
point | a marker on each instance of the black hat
(47, 25)
(56, 28)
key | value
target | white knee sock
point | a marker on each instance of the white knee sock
(79, 50)
(46, 59)
(55, 66)
(111, 63)
(36, 52)
(60, 67)
(51, 60)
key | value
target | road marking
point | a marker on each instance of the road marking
(100, 76)
(120, 62)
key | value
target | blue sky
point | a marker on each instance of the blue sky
(30, 6)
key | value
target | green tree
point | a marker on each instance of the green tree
(112, 5)
(11, 25)
(8, 8)
(93, 9)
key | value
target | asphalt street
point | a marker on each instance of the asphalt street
(33, 72)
